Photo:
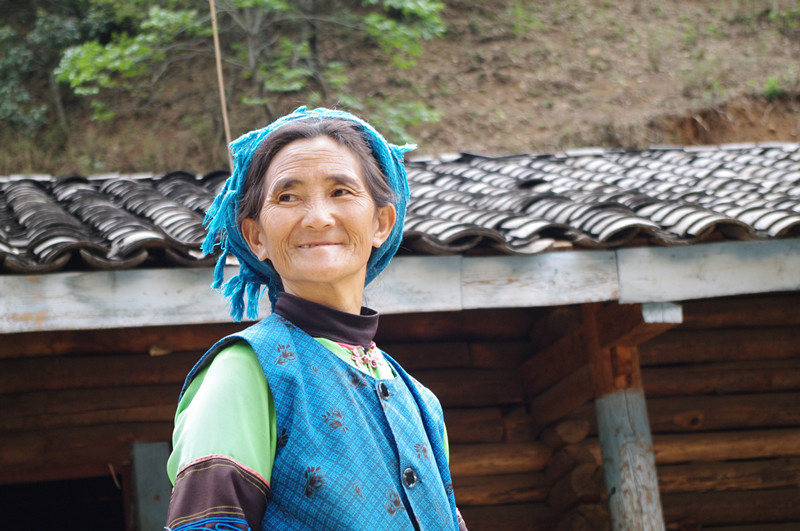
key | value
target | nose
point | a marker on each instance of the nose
(318, 215)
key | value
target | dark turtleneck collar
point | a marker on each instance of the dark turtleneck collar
(318, 320)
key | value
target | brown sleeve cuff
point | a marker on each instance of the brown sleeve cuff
(216, 490)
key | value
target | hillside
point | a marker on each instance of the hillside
(509, 76)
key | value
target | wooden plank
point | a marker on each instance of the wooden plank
(582, 484)
(430, 355)
(155, 340)
(653, 274)
(502, 489)
(730, 475)
(632, 324)
(473, 387)
(735, 507)
(722, 378)
(718, 446)
(711, 412)
(511, 517)
(780, 309)
(519, 425)
(562, 433)
(70, 448)
(41, 374)
(474, 425)
(109, 299)
(87, 407)
(702, 346)
(629, 464)
(150, 484)
(499, 354)
(498, 458)
(547, 279)
(417, 284)
(471, 325)
(558, 401)
(548, 367)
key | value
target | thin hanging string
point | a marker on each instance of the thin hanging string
(219, 80)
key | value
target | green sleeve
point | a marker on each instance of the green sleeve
(227, 410)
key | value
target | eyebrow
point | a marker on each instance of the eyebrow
(288, 182)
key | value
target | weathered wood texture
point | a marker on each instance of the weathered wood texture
(733, 507)
(628, 462)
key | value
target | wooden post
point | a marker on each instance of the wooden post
(150, 483)
(629, 464)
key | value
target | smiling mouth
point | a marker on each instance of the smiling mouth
(312, 245)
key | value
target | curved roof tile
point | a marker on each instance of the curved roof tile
(517, 204)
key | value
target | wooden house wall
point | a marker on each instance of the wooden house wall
(723, 392)
(723, 399)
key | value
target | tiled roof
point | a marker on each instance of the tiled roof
(522, 204)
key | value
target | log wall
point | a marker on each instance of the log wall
(723, 396)
(722, 391)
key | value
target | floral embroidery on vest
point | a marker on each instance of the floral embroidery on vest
(335, 420)
(393, 503)
(285, 354)
(315, 480)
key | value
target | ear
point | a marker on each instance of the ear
(384, 218)
(254, 236)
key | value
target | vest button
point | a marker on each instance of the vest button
(409, 477)
(383, 390)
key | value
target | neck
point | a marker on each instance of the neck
(336, 296)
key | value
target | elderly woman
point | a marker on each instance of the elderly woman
(301, 421)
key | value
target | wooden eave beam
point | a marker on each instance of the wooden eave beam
(603, 327)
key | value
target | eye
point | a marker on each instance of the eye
(339, 192)
(286, 197)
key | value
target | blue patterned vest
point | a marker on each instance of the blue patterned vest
(353, 452)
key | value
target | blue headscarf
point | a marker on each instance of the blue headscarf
(224, 231)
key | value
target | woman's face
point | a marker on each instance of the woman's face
(318, 222)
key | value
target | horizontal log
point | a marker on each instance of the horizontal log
(558, 322)
(500, 354)
(473, 387)
(730, 475)
(702, 346)
(561, 399)
(586, 517)
(512, 517)
(459, 354)
(785, 526)
(737, 312)
(548, 367)
(583, 484)
(710, 413)
(469, 325)
(85, 407)
(519, 425)
(563, 461)
(426, 355)
(142, 340)
(564, 432)
(497, 458)
(735, 507)
(474, 425)
(722, 378)
(718, 446)
(52, 373)
(76, 447)
(502, 489)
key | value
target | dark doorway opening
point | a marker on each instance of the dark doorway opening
(69, 504)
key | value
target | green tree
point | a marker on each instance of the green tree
(273, 45)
